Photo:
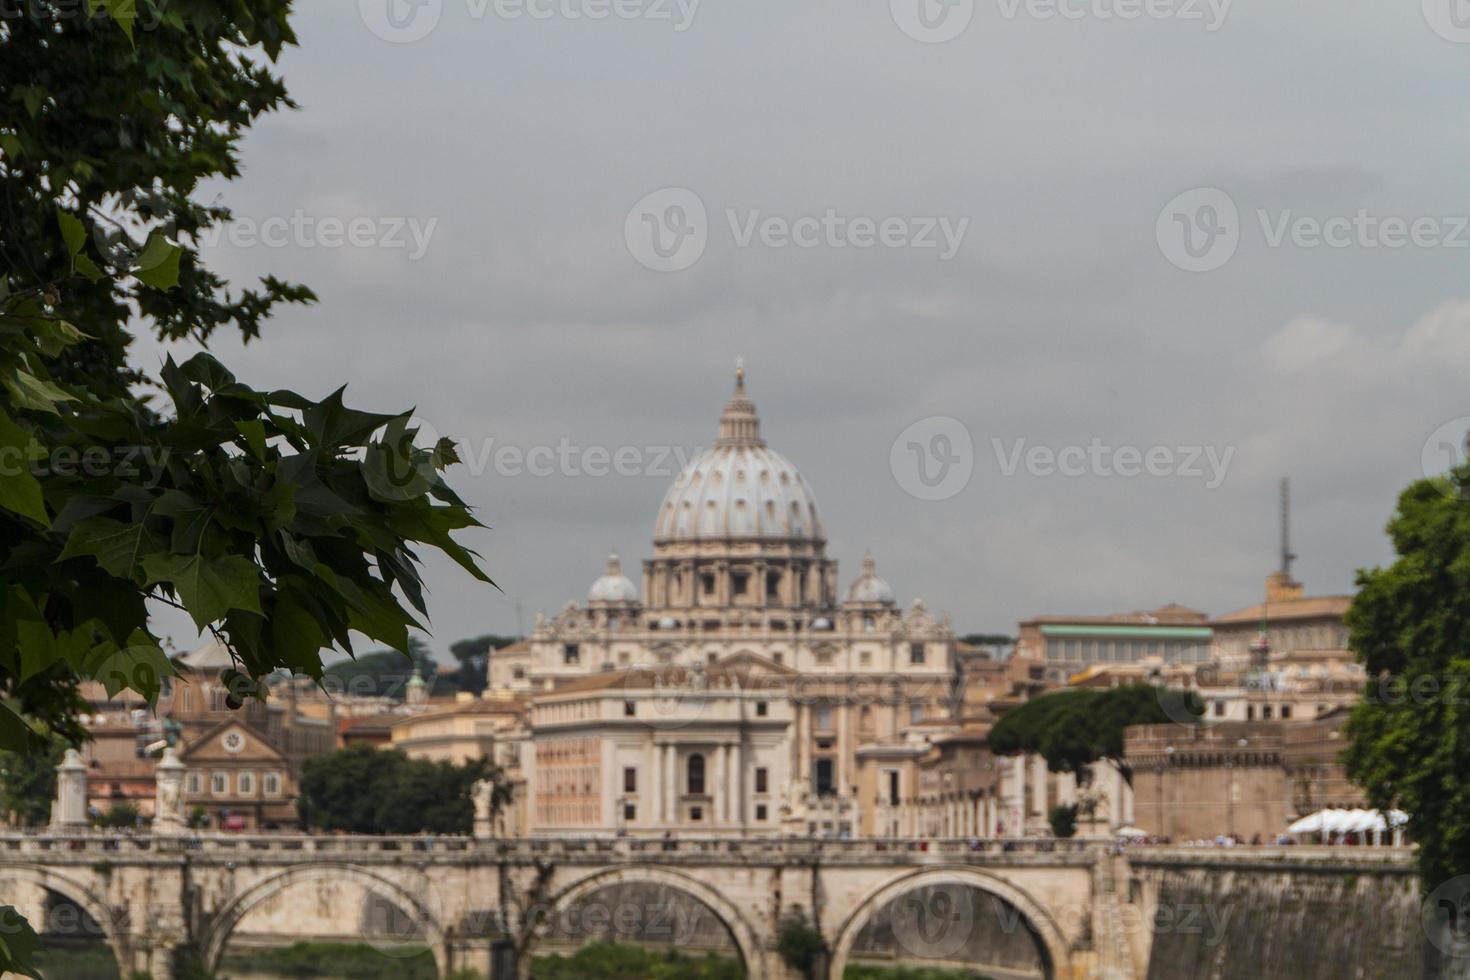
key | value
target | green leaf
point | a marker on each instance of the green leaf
(115, 545)
(208, 587)
(32, 392)
(18, 941)
(254, 432)
(158, 263)
(73, 232)
(20, 492)
(88, 269)
(122, 11)
(140, 666)
(12, 146)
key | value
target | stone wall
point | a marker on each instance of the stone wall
(1233, 918)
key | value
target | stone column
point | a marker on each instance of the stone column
(671, 785)
(716, 787)
(69, 808)
(654, 781)
(737, 787)
(168, 797)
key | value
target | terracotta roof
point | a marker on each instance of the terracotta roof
(1318, 607)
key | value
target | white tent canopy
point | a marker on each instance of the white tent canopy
(1334, 821)
(1130, 832)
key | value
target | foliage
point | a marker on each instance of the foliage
(625, 961)
(1063, 820)
(1075, 727)
(339, 961)
(280, 522)
(198, 818)
(28, 782)
(988, 639)
(364, 790)
(867, 971)
(79, 961)
(119, 816)
(1410, 627)
(474, 660)
(800, 944)
(383, 673)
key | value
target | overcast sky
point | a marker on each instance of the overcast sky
(531, 153)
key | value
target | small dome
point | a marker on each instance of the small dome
(614, 586)
(821, 623)
(868, 587)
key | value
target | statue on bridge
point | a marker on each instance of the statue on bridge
(168, 797)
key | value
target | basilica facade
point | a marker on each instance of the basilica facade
(736, 690)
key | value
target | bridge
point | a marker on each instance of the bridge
(1049, 909)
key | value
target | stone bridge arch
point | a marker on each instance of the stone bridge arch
(224, 921)
(1051, 943)
(744, 936)
(115, 926)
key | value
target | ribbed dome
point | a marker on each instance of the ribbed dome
(739, 488)
(868, 587)
(613, 586)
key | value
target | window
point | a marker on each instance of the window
(707, 582)
(630, 779)
(696, 813)
(219, 783)
(760, 811)
(694, 775)
(519, 673)
(571, 654)
(1265, 712)
(196, 783)
(630, 812)
(1250, 712)
(773, 585)
(824, 716)
(630, 709)
(893, 787)
(916, 712)
(916, 653)
(1219, 709)
(865, 659)
(823, 778)
(761, 779)
(247, 783)
(741, 583)
(760, 709)
(272, 784)
(1285, 711)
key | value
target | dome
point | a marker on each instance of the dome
(868, 587)
(739, 488)
(613, 586)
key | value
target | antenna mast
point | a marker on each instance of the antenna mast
(1287, 555)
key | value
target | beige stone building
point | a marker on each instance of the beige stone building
(238, 779)
(739, 591)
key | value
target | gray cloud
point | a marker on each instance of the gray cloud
(528, 320)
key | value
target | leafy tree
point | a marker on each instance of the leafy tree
(1063, 820)
(28, 783)
(383, 673)
(474, 660)
(988, 639)
(1075, 727)
(280, 522)
(1410, 627)
(800, 944)
(119, 816)
(364, 790)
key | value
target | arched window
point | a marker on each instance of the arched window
(696, 774)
